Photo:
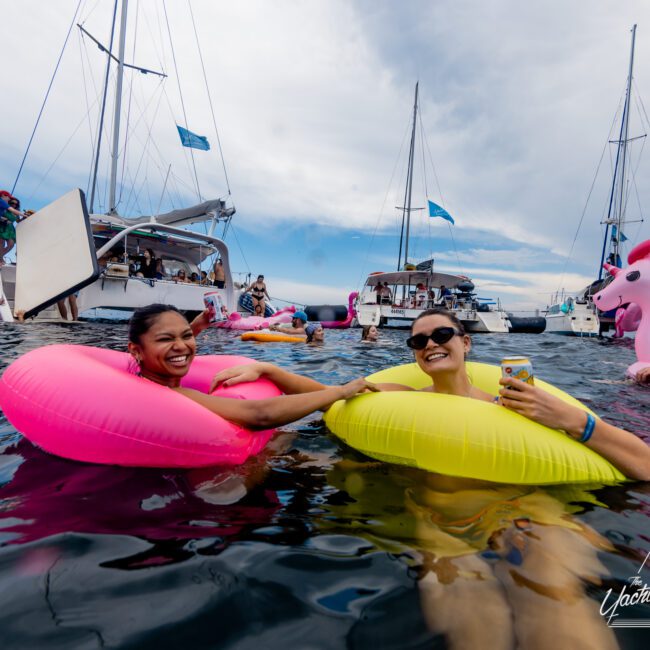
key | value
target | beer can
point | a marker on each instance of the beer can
(519, 368)
(212, 301)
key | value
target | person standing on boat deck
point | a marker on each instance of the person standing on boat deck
(8, 216)
(148, 264)
(380, 290)
(297, 326)
(258, 291)
(386, 294)
(219, 275)
(74, 310)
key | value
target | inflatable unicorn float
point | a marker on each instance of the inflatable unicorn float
(632, 285)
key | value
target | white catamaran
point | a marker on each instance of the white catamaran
(576, 315)
(65, 249)
(395, 299)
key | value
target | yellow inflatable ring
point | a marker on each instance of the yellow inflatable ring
(265, 337)
(464, 437)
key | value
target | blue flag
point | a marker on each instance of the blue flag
(189, 139)
(437, 211)
(623, 237)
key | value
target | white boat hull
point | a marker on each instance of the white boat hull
(390, 316)
(581, 321)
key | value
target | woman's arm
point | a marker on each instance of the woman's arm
(287, 382)
(262, 414)
(201, 322)
(621, 448)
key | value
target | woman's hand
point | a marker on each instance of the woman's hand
(238, 375)
(201, 322)
(540, 406)
(356, 387)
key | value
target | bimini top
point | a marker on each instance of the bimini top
(415, 277)
(182, 217)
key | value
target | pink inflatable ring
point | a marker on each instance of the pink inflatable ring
(82, 403)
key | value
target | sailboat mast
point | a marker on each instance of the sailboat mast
(409, 186)
(616, 211)
(118, 110)
(100, 129)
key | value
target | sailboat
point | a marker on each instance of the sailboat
(97, 256)
(577, 315)
(396, 298)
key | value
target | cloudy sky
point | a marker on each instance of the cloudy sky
(313, 102)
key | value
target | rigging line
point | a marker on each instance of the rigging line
(639, 99)
(61, 152)
(180, 92)
(128, 109)
(185, 155)
(148, 139)
(584, 210)
(47, 94)
(101, 118)
(383, 206)
(207, 88)
(82, 50)
(234, 232)
(442, 199)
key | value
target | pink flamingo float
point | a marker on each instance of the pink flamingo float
(235, 321)
(632, 285)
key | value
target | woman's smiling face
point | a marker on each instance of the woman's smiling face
(440, 357)
(166, 350)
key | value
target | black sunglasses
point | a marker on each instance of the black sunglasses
(439, 336)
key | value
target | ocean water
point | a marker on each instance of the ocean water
(314, 545)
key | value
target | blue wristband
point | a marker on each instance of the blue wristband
(589, 428)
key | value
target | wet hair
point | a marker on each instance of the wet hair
(440, 311)
(365, 331)
(144, 317)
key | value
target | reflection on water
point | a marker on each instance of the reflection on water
(312, 543)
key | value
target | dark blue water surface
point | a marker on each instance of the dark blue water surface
(312, 544)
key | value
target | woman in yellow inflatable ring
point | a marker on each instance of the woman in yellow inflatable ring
(440, 345)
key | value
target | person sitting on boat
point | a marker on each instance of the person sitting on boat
(440, 345)
(444, 293)
(315, 333)
(258, 292)
(220, 275)
(194, 277)
(160, 270)
(421, 295)
(163, 345)
(369, 334)
(204, 279)
(147, 267)
(181, 276)
(297, 325)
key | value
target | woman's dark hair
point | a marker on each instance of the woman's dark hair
(144, 317)
(150, 251)
(365, 331)
(440, 311)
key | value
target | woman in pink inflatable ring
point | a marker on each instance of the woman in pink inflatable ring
(163, 346)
